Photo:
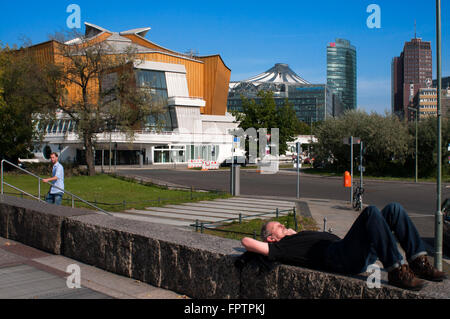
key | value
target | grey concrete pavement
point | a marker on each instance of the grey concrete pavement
(28, 273)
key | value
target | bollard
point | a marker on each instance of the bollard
(325, 224)
(196, 225)
(295, 220)
(277, 213)
(202, 227)
(240, 218)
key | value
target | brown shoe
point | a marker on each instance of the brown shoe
(422, 268)
(403, 277)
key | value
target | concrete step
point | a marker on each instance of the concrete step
(183, 217)
(211, 205)
(177, 210)
(164, 211)
(189, 217)
(247, 204)
(156, 220)
(258, 200)
(226, 211)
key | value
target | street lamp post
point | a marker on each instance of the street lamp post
(416, 152)
(299, 149)
(115, 157)
(438, 218)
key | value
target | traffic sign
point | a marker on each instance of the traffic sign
(347, 140)
(298, 147)
(236, 143)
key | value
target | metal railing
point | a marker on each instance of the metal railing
(73, 196)
(213, 226)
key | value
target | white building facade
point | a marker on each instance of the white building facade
(189, 135)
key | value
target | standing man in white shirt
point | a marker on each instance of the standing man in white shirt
(55, 195)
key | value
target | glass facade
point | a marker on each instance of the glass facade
(154, 82)
(341, 72)
(183, 153)
(311, 103)
(58, 127)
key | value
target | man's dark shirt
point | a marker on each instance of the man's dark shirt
(305, 248)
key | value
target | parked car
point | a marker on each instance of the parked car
(241, 160)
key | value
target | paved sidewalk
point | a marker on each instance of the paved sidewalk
(28, 273)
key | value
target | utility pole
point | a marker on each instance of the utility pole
(416, 152)
(351, 169)
(361, 167)
(438, 217)
(298, 146)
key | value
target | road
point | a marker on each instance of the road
(418, 199)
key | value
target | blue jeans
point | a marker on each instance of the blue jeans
(54, 199)
(372, 237)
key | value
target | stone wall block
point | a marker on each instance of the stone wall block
(146, 265)
(33, 228)
(259, 284)
(85, 243)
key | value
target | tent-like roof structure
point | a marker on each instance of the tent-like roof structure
(120, 41)
(280, 73)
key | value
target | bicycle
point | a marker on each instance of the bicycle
(357, 198)
(446, 209)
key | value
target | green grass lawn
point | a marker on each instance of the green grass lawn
(105, 189)
(249, 228)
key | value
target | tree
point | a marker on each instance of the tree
(17, 127)
(385, 139)
(302, 128)
(427, 145)
(263, 113)
(288, 124)
(96, 87)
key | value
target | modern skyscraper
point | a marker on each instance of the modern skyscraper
(341, 71)
(412, 70)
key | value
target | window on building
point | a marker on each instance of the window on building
(154, 82)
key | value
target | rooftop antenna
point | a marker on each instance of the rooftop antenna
(191, 53)
(415, 34)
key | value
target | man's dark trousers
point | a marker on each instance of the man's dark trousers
(55, 199)
(371, 237)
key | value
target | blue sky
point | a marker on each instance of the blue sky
(251, 36)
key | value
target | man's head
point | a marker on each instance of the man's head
(54, 158)
(273, 231)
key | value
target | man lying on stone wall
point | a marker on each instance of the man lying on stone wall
(373, 236)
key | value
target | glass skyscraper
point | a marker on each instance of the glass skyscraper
(341, 71)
